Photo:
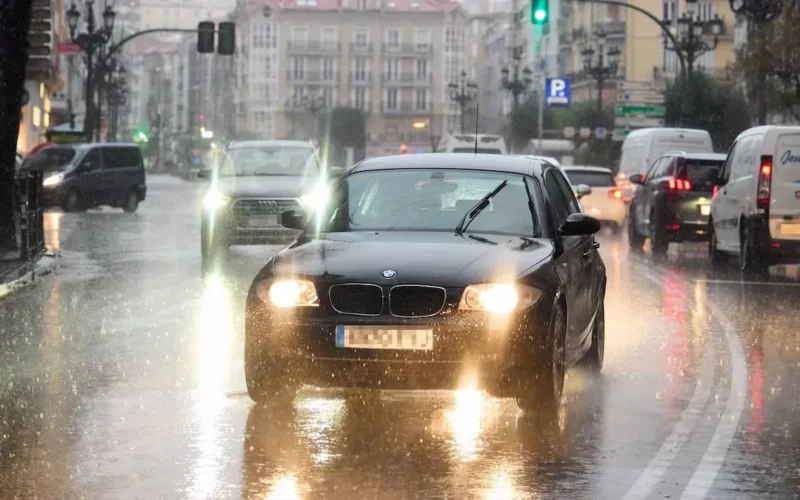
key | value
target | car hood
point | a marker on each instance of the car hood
(443, 259)
(266, 186)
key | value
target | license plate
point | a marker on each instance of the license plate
(381, 337)
(790, 229)
(263, 221)
(705, 209)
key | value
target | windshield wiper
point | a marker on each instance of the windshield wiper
(477, 209)
(481, 239)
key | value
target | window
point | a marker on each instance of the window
(422, 70)
(121, 157)
(361, 68)
(329, 97)
(557, 198)
(329, 69)
(430, 200)
(299, 34)
(393, 38)
(422, 38)
(392, 69)
(330, 34)
(360, 98)
(361, 37)
(91, 160)
(270, 160)
(361, 4)
(298, 68)
(421, 99)
(392, 99)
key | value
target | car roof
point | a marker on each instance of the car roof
(699, 156)
(456, 161)
(272, 143)
(586, 168)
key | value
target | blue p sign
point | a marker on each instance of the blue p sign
(557, 93)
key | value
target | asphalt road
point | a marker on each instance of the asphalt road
(121, 377)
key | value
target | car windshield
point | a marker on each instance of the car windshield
(430, 200)
(51, 159)
(270, 160)
(590, 178)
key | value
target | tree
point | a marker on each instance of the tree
(592, 151)
(524, 123)
(702, 102)
(339, 129)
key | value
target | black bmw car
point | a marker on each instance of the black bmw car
(422, 270)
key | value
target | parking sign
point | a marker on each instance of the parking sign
(557, 92)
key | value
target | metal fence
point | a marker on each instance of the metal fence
(30, 214)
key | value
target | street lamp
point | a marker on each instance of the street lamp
(601, 71)
(520, 83)
(306, 104)
(695, 36)
(116, 95)
(89, 41)
(463, 92)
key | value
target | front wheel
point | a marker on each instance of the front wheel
(269, 382)
(544, 394)
(131, 203)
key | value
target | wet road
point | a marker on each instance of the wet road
(121, 377)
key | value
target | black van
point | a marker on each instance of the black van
(82, 176)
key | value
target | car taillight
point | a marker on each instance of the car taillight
(764, 182)
(714, 192)
(679, 185)
(615, 194)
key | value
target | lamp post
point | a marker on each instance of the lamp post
(90, 41)
(758, 14)
(117, 96)
(604, 68)
(462, 92)
(695, 36)
(522, 79)
(306, 104)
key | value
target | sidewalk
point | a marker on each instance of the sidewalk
(15, 274)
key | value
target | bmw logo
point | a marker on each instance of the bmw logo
(388, 274)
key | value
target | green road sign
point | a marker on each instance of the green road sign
(639, 109)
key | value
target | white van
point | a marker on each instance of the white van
(644, 146)
(465, 143)
(755, 210)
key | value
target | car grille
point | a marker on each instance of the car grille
(363, 300)
(245, 210)
(415, 301)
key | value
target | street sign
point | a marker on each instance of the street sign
(620, 134)
(638, 121)
(557, 92)
(641, 97)
(634, 85)
(586, 132)
(600, 132)
(569, 132)
(69, 48)
(639, 109)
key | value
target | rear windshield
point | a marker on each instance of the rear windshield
(485, 151)
(699, 172)
(593, 179)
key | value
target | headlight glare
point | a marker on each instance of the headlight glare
(53, 180)
(288, 293)
(214, 200)
(501, 298)
(315, 200)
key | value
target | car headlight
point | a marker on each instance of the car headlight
(214, 200)
(53, 180)
(499, 297)
(316, 199)
(288, 293)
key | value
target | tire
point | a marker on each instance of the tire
(750, 259)
(545, 390)
(658, 237)
(131, 202)
(593, 360)
(715, 256)
(73, 202)
(635, 240)
(268, 384)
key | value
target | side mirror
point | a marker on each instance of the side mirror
(334, 172)
(582, 190)
(294, 219)
(636, 179)
(580, 225)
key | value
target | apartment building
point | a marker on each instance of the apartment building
(393, 59)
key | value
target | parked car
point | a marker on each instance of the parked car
(78, 177)
(673, 201)
(604, 202)
(755, 212)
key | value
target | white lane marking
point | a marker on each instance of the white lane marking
(681, 431)
(758, 283)
(705, 473)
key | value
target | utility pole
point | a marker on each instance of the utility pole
(537, 40)
(13, 58)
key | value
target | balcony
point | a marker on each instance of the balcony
(612, 29)
(404, 108)
(407, 80)
(360, 48)
(408, 49)
(314, 77)
(314, 47)
(360, 78)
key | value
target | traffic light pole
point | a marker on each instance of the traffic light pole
(13, 58)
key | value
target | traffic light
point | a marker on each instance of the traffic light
(404, 149)
(205, 37)
(540, 11)
(140, 136)
(227, 39)
(39, 38)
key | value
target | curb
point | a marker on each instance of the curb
(43, 267)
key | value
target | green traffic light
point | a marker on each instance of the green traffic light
(540, 15)
(540, 11)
